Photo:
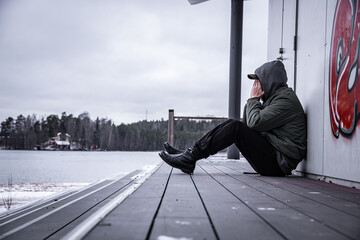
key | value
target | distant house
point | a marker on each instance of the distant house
(60, 142)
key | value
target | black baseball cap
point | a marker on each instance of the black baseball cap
(253, 76)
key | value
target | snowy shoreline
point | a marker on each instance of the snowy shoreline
(24, 193)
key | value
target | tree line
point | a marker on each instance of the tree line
(27, 133)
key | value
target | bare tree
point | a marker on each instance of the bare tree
(7, 197)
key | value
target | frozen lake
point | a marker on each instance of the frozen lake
(68, 166)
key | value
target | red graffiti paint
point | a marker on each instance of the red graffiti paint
(344, 86)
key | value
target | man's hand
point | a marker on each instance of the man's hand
(257, 90)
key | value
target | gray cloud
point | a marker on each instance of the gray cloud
(119, 59)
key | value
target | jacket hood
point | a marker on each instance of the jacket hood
(272, 76)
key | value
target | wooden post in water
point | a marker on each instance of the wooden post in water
(171, 127)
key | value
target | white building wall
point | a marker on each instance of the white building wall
(282, 35)
(329, 157)
(342, 154)
(311, 79)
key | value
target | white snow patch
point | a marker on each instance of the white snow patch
(162, 237)
(22, 194)
(182, 222)
(145, 170)
(266, 209)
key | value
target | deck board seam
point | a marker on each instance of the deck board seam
(311, 199)
(314, 200)
(295, 209)
(251, 209)
(330, 194)
(53, 211)
(36, 208)
(89, 209)
(207, 212)
(148, 235)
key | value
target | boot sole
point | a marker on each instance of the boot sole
(184, 170)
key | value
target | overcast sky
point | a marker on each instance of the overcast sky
(124, 60)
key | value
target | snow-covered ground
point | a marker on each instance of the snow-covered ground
(21, 194)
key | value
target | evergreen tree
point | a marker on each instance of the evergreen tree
(26, 133)
(53, 125)
(7, 130)
(97, 132)
(63, 120)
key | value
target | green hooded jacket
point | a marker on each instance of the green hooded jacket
(280, 118)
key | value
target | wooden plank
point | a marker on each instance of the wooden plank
(351, 195)
(27, 209)
(46, 209)
(230, 216)
(301, 188)
(217, 202)
(338, 191)
(346, 193)
(181, 214)
(336, 196)
(132, 219)
(182, 228)
(50, 224)
(103, 197)
(330, 217)
(290, 222)
(41, 209)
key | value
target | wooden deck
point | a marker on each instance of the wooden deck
(218, 202)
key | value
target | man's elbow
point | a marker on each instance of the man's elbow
(258, 126)
(254, 125)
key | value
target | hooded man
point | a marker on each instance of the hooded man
(272, 135)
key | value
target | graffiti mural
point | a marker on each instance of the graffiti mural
(344, 86)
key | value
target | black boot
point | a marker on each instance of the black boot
(185, 161)
(171, 149)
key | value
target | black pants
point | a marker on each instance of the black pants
(255, 147)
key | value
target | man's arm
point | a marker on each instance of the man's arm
(265, 119)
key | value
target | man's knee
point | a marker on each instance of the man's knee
(237, 125)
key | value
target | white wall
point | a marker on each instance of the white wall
(311, 79)
(276, 39)
(333, 158)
